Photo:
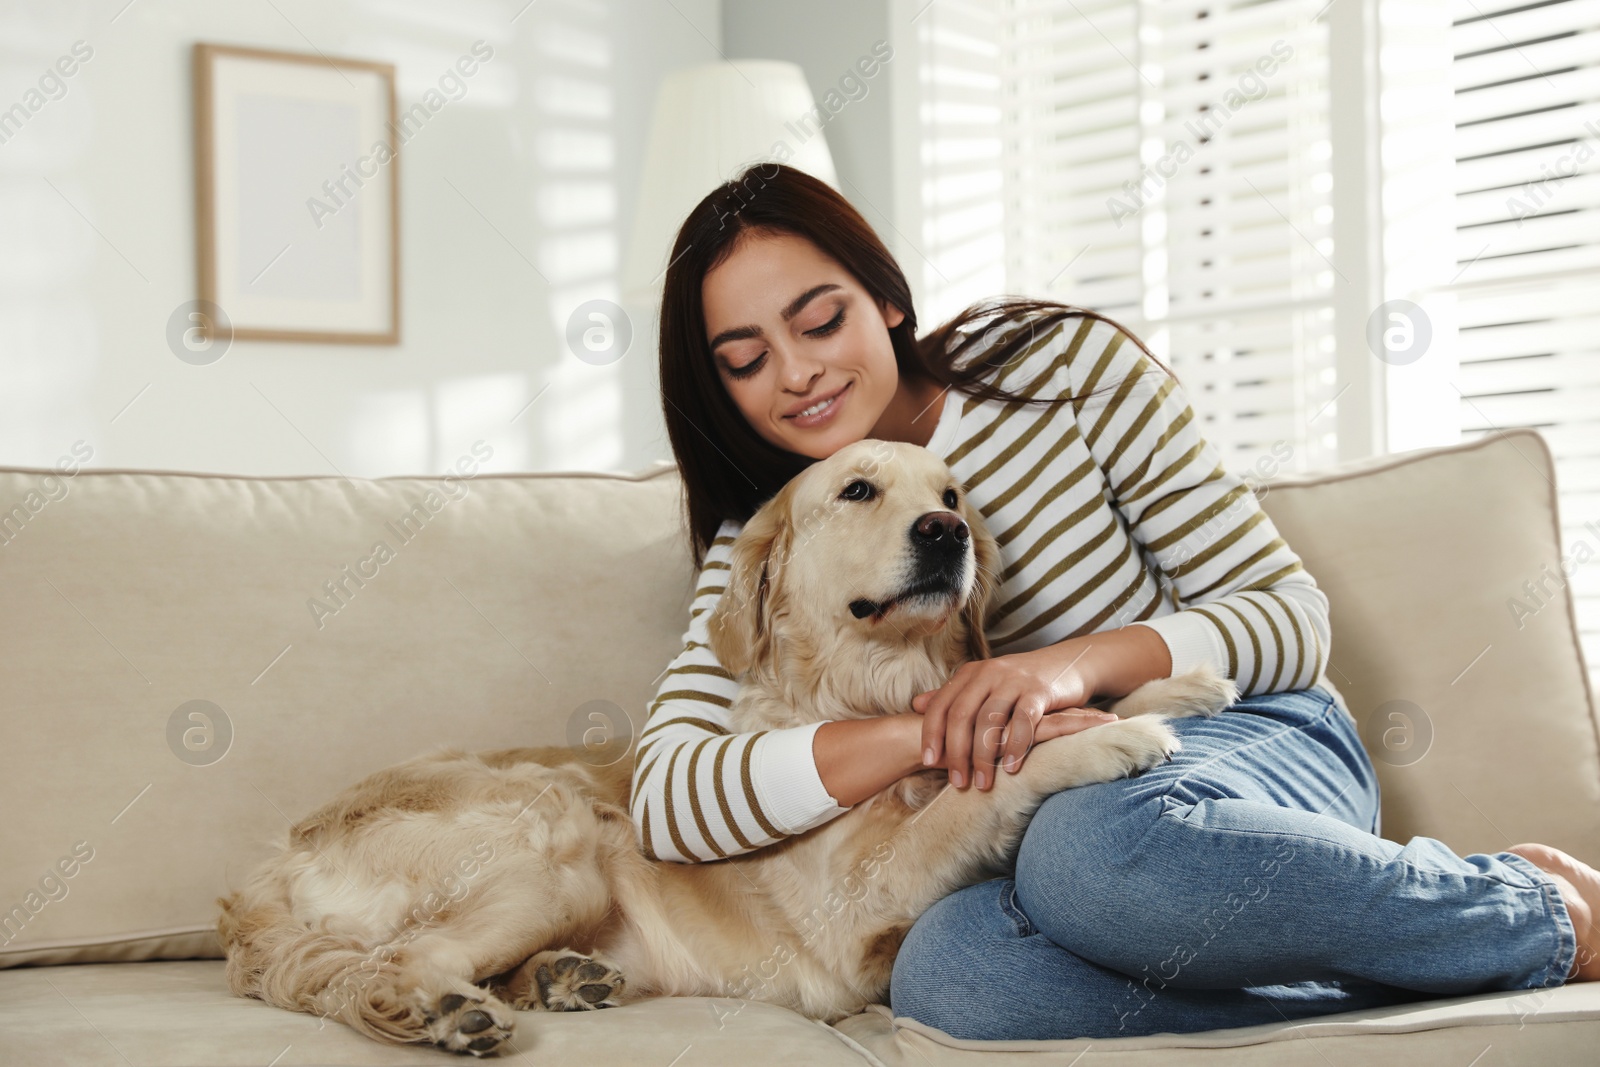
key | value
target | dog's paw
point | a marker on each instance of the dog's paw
(1201, 691)
(470, 1020)
(1115, 750)
(564, 980)
(1141, 743)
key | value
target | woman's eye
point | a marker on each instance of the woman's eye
(951, 499)
(857, 490)
(755, 364)
(828, 327)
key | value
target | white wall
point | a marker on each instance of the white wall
(828, 38)
(543, 151)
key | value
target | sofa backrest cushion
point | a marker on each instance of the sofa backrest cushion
(327, 628)
(1472, 694)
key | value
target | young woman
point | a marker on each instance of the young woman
(1243, 881)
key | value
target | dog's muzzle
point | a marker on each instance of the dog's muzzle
(939, 543)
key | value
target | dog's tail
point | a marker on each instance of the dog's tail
(271, 956)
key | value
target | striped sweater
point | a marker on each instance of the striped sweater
(1109, 511)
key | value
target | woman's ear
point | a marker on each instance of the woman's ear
(892, 315)
(987, 555)
(740, 626)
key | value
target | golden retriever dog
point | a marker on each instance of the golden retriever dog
(434, 900)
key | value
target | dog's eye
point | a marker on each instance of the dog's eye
(858, 490)
(951, 499)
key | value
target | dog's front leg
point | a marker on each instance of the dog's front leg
(1201, 691)
(977, 831)
(963, 835)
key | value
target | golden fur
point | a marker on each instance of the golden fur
(431, 900)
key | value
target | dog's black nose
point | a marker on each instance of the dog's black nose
(937, 526)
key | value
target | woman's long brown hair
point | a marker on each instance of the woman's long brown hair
(729, 470)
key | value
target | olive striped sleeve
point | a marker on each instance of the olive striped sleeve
(1247, 605)
(701, 791)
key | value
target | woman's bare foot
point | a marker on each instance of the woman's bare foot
(1579, 884)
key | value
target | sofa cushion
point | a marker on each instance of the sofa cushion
(179, 1014)
(510, 611)
(1559, 1025)
(1479, 719)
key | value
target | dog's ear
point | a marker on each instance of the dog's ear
(740, 626)
(987, 554)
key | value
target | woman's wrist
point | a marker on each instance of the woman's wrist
(857, 758)
(1113, 663)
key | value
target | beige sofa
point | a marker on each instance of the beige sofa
(512, 609)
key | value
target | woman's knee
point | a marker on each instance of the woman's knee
(1084, 879)
(1085, 841)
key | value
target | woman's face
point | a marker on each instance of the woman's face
(790, 327)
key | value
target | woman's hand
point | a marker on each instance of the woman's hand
(994, 710)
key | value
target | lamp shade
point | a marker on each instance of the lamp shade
(711, 121)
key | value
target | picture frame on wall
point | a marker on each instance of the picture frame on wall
(297, 196)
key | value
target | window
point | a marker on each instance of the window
(1526, 80)
(1165, 163)
(1187, 166)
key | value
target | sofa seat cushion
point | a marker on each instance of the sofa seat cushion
(1560, 1025)
(180, 1014)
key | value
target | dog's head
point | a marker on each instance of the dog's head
(877, 541)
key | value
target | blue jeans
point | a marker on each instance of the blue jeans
(1239, 883)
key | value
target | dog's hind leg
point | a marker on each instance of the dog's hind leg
(406, 999)
(420, 985)
(393, 994)
(504, 923)
(508, 918)
(427, 989)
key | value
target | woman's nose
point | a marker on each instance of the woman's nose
(798, 373)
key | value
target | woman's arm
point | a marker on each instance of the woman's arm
(1246, 605)
(1114, 662)
(700, 790)
(992, 713)
(857, 758)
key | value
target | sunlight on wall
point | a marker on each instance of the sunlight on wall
(579, 418)
(481, 407)
(510, 211)
(389, 431)
(49, 348)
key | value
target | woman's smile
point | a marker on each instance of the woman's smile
(821, 411)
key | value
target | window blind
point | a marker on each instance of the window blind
(1171, 164)
(1167, 164)
(1527, 221)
